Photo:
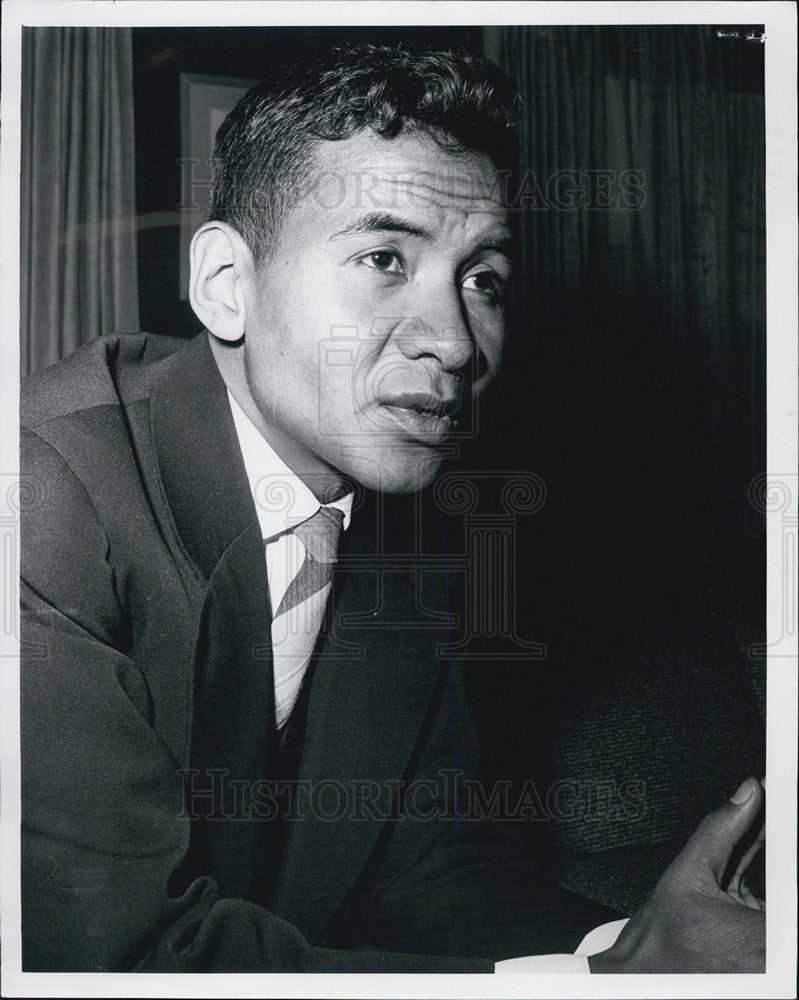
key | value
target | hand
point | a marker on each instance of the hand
(700, 916)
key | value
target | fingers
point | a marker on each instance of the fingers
(743, 894)
(736, 885)
(707, 854)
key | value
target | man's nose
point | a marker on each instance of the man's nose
(440, 332)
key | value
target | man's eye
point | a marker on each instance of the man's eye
(487, 283)
(383, 260)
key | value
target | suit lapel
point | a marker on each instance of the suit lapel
(233, 737)
(373, 690)
(200, 464)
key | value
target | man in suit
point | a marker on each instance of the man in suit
(242, 746)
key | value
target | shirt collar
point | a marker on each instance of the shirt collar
(282, 500)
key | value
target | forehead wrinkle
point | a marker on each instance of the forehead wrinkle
(415, 189)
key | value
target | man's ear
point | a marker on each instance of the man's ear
(219, 260)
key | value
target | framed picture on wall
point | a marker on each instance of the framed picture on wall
(205, 102)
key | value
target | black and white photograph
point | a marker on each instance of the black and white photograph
(400, 499)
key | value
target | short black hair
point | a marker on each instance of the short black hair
(262, 151)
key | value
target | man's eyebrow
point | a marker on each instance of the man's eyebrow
(503, 242)
(372, 222)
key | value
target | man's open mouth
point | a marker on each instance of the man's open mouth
(430, 425)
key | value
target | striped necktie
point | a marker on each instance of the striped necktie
(296, 624)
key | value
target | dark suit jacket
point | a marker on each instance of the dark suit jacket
(150, 835)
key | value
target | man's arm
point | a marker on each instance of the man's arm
(104, 828)
(448, 877)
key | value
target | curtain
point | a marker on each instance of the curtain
(641, 198)
(78, 236)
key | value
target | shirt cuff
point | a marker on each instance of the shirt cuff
(599, 939)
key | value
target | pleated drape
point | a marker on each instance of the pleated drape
(78, 228)
(671, 279)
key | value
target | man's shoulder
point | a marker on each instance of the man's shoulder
(107, 371)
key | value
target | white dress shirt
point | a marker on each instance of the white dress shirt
(282, 501)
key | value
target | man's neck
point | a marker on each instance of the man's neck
(326, 483)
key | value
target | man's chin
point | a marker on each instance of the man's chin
(398, 474)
